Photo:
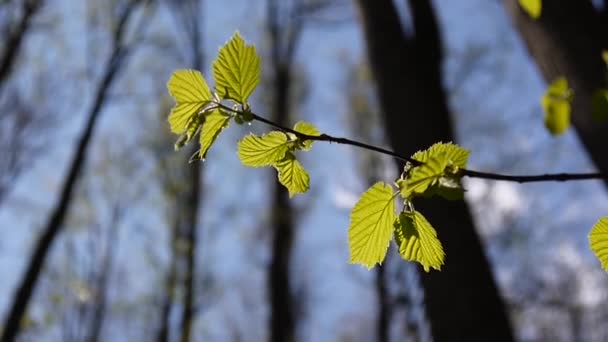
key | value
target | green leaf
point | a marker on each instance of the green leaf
(598, 240)
(556, 105)
(308, 129)
(266, 150)
(191, 93)
(455, 154)
(292, 175)
(215, 122)
(448, 187)
(421, 177)
(236, 70)
(371, 225)
(417, 240)
(532, 7)
(605, 56)
(599, 105)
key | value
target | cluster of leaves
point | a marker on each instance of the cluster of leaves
(236, 73)
(558, 96)
(374, 221)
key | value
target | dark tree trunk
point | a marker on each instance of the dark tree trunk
(193, 198)
(281, 301)
(282, 321)
(15, 38)
(567, 40)
(55, 223)
(170, 283)
(462, 301)
(194, 195)
(384, 313)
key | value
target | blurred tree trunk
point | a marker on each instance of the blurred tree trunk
(15, 38)
(567, 40)
(462, 301)
(103, 274)
(170, 285)
(55, 223)
(364, 121)
(282, 322)
(188, 16)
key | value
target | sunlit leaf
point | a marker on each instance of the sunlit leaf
(236, 70)
(191, 93)
(371, 225)
(556, 105)
(455, 154)
(421, 177)
(257, 151)
(448, 187)
(599, 105)
(292, 175)
(308, 129)
(215, 122)
(532, 7)
(417, 240)
(598, 240)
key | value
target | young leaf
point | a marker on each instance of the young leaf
(455, 154)
(417, 240)
(266, 150)
(215, 122)
(236, 70)
(556, 104)
(598, 240)
(599, 105)
(191, 93)
(308, 129)
(447, 187)
(422, 177)
(532, 7)
(371, 225)
(292, 175)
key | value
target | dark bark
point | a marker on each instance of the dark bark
(567, 40)
(462, 301)
(384, 312)
(193, 196)
(191, 203)
(15, 38)
(282, 321)
(55, 223)
(170, 284)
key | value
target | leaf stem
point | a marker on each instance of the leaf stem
(557, 177)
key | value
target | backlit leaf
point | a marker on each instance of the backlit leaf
(236, 70)
(455, 154)
(417, 240)
(598, 240)
(191, 93)
(371, 225)
(556, 105)
(292, 175)
(308, 129)
(532, 7)
(215, 122)
(257, 151)
(421, 177)
(599, 105)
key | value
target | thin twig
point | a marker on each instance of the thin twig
(557, 177)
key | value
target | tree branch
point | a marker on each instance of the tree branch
(558, 177)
